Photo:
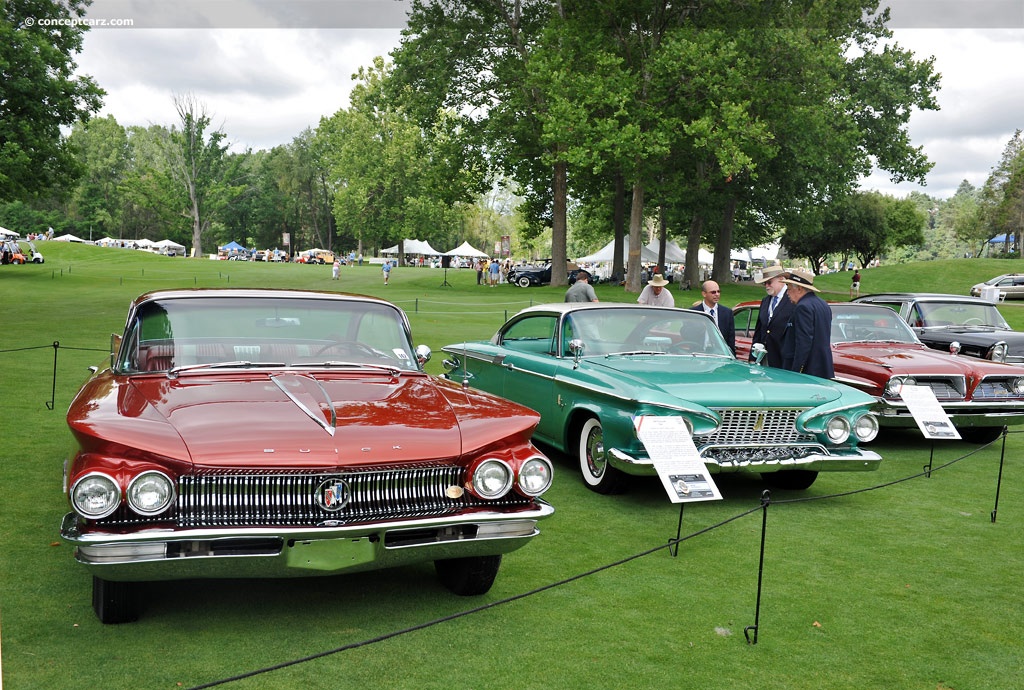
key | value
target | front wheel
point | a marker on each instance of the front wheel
(981, 435)
(523, 282)
(470, 576)
(792, 480)
(598, 474)
(115, 602)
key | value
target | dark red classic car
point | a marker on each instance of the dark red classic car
(874, 350)
(273, 433)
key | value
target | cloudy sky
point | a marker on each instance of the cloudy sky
(267, 69)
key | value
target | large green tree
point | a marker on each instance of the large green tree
(39, 94)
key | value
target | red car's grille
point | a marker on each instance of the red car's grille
(222, 498)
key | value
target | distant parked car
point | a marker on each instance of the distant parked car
(528, 275)
(276, 433)
(1010, 285)
(874, 350)
(591, 368)
(972, 326)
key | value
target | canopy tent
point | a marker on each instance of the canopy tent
(1000, 239)
(68, 238)
(108, 242)
(142, 243)
(466, 249)
(413, 247)
(169, 244)
(232, 246)
(704, 257)
(10, 234)
(765, 252)
(606, 252)
(673, 254)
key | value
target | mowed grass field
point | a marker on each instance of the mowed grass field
(886, 580)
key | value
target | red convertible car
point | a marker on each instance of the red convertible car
(873, 349)
(274, 433)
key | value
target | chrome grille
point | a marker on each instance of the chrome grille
(279, 498)
(748, 427)
(992, 388)
(944, 389)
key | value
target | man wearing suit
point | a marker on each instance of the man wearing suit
(805, 346)
(722, 316)
(773, 316)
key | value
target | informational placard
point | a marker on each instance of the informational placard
(676, 460)
(928, 413)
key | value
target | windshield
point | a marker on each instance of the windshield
(961, 314)
(644, 329)
(184, 332)
(870, 324)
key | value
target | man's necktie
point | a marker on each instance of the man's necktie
(714, 315)
(771, 309)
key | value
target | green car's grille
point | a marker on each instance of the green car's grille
(756, 427)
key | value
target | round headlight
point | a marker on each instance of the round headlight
(837, 429)
(1017, 385)
(535, 476)
(491, 479)
(892, 388)
(999, 352)
(865, 428)
(95, 496)
(150, 493)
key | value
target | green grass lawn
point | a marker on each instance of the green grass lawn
(909, 585)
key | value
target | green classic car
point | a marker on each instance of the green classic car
(590, 368)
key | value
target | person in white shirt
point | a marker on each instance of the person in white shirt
(655, 294)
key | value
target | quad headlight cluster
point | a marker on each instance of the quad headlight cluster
(864, 428)
(97, 495)
(492, 478)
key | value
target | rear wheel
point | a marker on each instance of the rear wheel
(598, 474)
(523, 282)
(793, 480)
(115, 602)
(468, 576)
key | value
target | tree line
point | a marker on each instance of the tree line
(719, 123)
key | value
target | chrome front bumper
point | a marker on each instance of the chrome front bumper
(856, 460)
(238, 552)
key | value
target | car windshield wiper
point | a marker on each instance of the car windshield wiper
(236, 364)
(331, 363)
(627, 353)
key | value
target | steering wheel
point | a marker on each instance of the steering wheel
(973, 322)
(349, 347)
(683, 347)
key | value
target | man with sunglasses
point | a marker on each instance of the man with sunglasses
(721, 315)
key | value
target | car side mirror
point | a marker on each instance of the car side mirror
(758, 351)
(422, 354)
(576, 348)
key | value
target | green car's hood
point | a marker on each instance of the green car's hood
(716, 381)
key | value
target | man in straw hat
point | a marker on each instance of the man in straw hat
(773, 315)
(655, 294)
(805, 344)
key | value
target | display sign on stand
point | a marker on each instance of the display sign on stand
(682, 472)
(928, 413)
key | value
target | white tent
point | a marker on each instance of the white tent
(68, 238)
(673, 254)
(10, 234)
(704, 257)
(413, 247)
(167, 245)
(765, 252)
(606, 254)
(465, 249)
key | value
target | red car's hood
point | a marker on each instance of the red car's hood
(906, 358)
(286, 419)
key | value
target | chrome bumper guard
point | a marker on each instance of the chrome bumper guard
(237, 552)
